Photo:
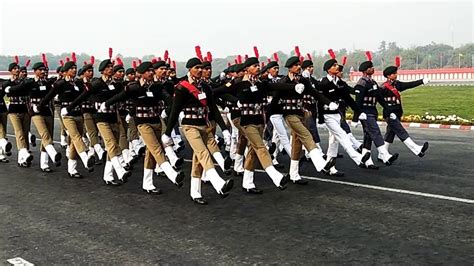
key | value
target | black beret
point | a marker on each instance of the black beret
(58, 70)
(144, 66)
(118, 68)
(272, 64)
(68, 65)
(292, 61)
(104, 64)
(306, 63)
(159, 64)
(328, 64)
(365, 65)
(23, 68)
(167, 65)
(11, 66)
(231, 69)
(129, 71)
(239, 68)
(38, 65)
(193, 62)
(250, 62)
(87, 67)
(80, 71)
(389, 71)
(206, 64)
(341, 67)
(264, 69)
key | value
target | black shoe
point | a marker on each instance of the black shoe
(279, 166)
(252, 190)
(126, 176)
(179, 180)
(8, 148)
(104, 157)
(300, 182)
(179, 162)
(325, 156)
(238, 173)
(392, 159)
(220, 143)
(284, 181)
(379, 160)
(47, 170)
(90, 162)
(57, 159)
(24, 165)
(365, 158)
(112, 183)
(199, 201)
(423, 150)
(336, 174)
(229, 183)
(228, 172)
(141, 151)
(155, 191)
(359, 150)
(181, 143)
(76, 175)
(339, 155)
(33, 140)
(272, 148)
(162, 174)
(8, 153)
(372, 167)
(227, 163)
(128, 167)
(4, 160)
(329, 165)
(179, 149)
(29, 159)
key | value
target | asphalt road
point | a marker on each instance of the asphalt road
(50, 218)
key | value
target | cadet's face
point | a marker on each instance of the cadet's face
(370, 71)
(295, 69)
(148, 75)
(206, 72)
(240, 74)
(108, 71)
(40, 72)
(160, 72)
(15, 71)
(119, 74)
(253, 69)
(310, 69)
(334, 69)
(131, 76)
(72, 72)
(393, 76)
(196, 72)
(274, 71)
(89, 73)
(23, 73)
(340, 74)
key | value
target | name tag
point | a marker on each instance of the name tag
(253, 88)
(375, 87)
(201, 96)
(111, 87)
(149, 94)
(312, 85)
(228, 84)
(331, 90)
(42, 88)
(76, 88)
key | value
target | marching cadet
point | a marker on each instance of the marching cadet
(5, 145)
(106, 118)
(136, 146)
(334, 91)
(88, 111)
(293, 113)
(393, 110)
(42, 117)
(146, 96)
(367, 95)
(195, 99)
(18, 112)
(68, 89)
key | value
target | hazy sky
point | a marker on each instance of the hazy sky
(140, 27)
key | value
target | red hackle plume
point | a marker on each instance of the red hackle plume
(92, 59)
(246, 56)
(169, 61)
(174, 65)
(228, 64)
(239, 59)
(27, 63)
(301, 58)
(61, 62)
(111, 51)
(198, 52)
(154, 60)
(165, 56)
(205, 58)
(275, 56)
(236, 61)
(269, 60)
(85, 62)
(17, 59)
(297, 51)
(68, 59)
(344, 60)
(134, 64)
(398, 63)
(43, 58)
(368, 54)
(255, 50)
(119, 61)
(139, 61)
(209, 56)
(309, 56)
(262, 64)
(332, 54)
(73, 56)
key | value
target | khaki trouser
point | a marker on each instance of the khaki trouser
(91, 129)
(3, 125)
(110, 134)
(44, 126)
(132, 130)
(74, 126)
(21, 125)
(300, 135)
(211, 140)
(197, 138)
(123, 140)
(151, 134)
(242, 138)
(257, 149)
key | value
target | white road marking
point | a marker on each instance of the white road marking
(395, 190)
(19, 262)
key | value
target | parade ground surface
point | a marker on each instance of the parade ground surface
(417, 211)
